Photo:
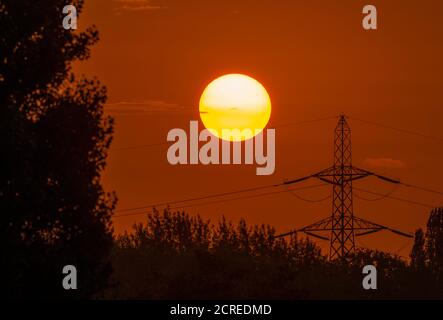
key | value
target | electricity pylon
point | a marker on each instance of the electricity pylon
(342, 225)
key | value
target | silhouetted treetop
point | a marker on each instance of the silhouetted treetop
(55, 138)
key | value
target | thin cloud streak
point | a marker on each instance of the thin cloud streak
(137, 5)
(144, 107)
(384, 163)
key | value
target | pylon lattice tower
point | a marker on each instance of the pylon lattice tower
(342, 225)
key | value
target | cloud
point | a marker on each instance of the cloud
(137, 5)
(383, 163)
(144, 107)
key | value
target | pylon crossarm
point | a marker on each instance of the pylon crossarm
(326, 172)
(360, 223)
(345, 229)
(327, 180)
(400, 233)
(379, 176)
(329, 172)
(297, 180)
(357, 170)
(316, 235)
(306, 232)
(365, 224)
(352, 174)
(322, 225)
(349, 173)
(356, 177)
(368, 232)
(387, 179)
(351, 177)
(286, 234)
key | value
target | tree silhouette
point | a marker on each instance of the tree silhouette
(177, 256)
(426, 266)
(54, 139)
(418, 253)
(434, 246)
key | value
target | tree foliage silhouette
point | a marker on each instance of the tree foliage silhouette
(177, 256)
(434, 246)
(418, 253)
(54, 139)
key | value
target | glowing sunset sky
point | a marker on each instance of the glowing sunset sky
(315, 61)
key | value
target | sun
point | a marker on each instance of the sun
(235, 107)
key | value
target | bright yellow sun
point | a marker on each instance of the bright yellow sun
(235, 107)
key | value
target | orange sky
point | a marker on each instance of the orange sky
(314, 59)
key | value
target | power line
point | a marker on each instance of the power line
(304, 122)
(218, 201)
(391, 180)
(422, 188)
(398, 129)
(408, 185)
(396, 198)
(215, 195)
(167, 142)
(248, 197)
(293, 193)
(379, 198)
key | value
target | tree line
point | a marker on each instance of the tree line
(177, 256)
